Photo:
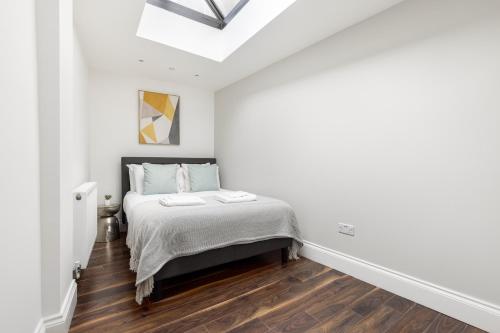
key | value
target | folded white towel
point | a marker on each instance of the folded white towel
(181, 200)
(229, 197)
(235, 194)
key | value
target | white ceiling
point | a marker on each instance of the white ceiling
(107, 31)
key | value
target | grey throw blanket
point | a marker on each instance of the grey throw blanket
(158, 234)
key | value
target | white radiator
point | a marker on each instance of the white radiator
(85, 221)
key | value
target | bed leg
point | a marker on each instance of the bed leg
(157, 293)
(284, 255)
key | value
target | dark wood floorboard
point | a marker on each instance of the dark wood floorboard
(446, 324)
(252, 295)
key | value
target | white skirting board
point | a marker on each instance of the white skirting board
(60, 322)
(473, 311)
(40, 328)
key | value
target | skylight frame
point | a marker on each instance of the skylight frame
(219, 22)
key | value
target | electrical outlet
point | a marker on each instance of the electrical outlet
(346, 229)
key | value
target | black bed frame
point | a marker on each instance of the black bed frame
(188, 264)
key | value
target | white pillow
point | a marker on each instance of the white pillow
(138, 177)
(180, 180)
(136, 174)
(186, 180)
(131, 176)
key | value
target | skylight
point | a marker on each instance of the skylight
(193, 25)
(214, 13)
(196, 5)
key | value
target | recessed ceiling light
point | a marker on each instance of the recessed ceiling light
(172, 68)
(141, 60)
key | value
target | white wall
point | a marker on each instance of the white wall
(66, 112)
(114, 116)
(49, 123)
(63, 153)
(20, 307)
(393, 126)
(81, 162)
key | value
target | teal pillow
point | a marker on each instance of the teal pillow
(160, 178)
(203, 177)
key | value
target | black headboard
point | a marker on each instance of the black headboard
(153, 160)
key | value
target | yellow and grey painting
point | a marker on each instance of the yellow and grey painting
(159, 118)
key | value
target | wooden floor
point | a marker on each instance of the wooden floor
(254, 295)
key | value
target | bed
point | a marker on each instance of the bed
(143, 211)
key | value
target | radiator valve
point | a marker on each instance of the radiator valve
(77, 268)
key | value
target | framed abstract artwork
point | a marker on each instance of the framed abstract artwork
(159, 118)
